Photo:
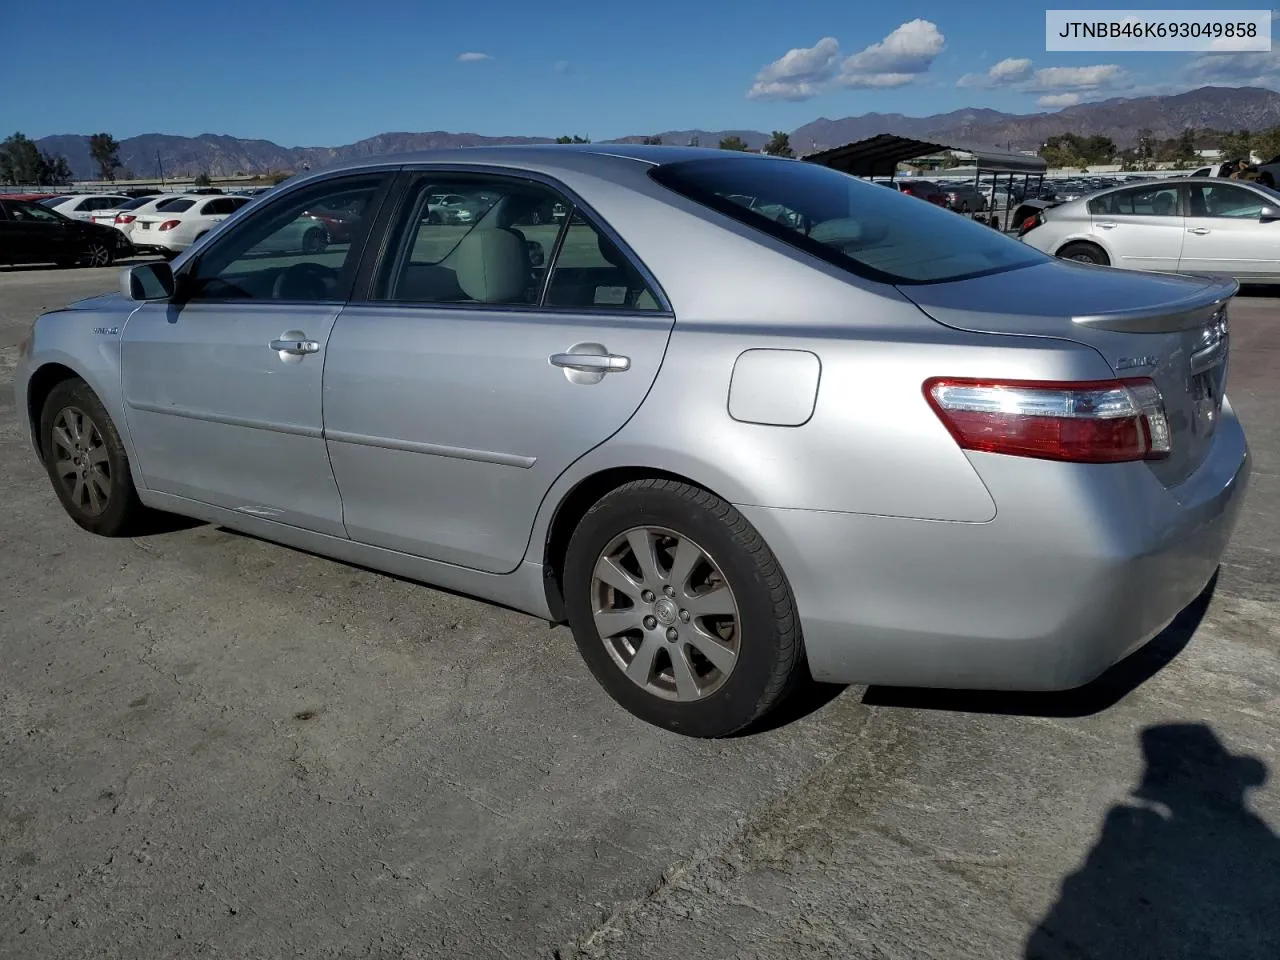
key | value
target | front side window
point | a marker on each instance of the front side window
(847, 222)
(283, 253)
(1225, 200)
(1138, 202)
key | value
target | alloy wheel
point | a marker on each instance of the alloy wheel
(81, 462)
(97, 255)
(665, 613)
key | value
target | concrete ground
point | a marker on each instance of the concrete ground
(211, 746)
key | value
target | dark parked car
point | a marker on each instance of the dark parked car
(924, 189)
(32, 233)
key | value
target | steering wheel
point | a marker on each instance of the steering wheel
(304, 281)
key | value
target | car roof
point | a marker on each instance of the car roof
(550, 158)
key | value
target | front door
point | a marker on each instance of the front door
(1141, 227)
(222, 386)
(1225, 234)
(494, 352)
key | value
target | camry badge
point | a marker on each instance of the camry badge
(1131, 363)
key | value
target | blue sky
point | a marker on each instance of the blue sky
(322, 72)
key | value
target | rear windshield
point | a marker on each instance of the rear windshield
(176, 205)
(135, 203)
(875, 233)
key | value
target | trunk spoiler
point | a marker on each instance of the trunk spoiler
(1194, 311)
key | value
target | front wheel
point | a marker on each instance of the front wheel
(86, 461)
(680, 609)
(98, 253)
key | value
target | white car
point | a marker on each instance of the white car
(82, 206)
(183, 221)
(1201, 225)
(122, 217)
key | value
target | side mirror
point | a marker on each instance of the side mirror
(148, 281)
(1268, 214)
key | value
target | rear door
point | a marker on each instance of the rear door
(1141, 227)
(473, 375)
(1225, 233)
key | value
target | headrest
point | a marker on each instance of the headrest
(492, 266)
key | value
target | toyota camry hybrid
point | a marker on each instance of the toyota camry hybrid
(867, 439)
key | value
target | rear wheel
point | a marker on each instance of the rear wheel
(87, 463)
(680, 609)
(1085, 253)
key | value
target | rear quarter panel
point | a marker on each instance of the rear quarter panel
(872, 445)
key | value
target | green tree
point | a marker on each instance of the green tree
(779, 145)
(56, 169)
(1236, 146)
(654, 141)
(279, 177)
(20, 160)
(574, 139)
(106, 154)
(733, 143)
(201, 180)
(1186, 147)
(1267, 144)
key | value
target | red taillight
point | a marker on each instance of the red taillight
(908, 191)
(169, 224)
(1030, 224)
(1105, 421)
(125, 218)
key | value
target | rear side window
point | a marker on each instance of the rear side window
(136, 203)
(871, 232)
(176, 205)
(1137, 202)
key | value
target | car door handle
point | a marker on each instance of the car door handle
(592, 362)
(1198, 231)
(1108, 224)
(295, 347)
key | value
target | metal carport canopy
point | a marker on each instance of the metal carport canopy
(880, 155)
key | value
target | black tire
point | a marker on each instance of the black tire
(120, 513)
(765, 628)
(98, 253)
(1082, 252)
(313, 241)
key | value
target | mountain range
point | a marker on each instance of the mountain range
(1219, 108)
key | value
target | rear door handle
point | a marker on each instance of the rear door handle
(1108, 224)
(592, 362)
(1198, 231)
(296, 348)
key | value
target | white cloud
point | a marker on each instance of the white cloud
(1005, 73)
(897, 60)
(1058, 100)
(797, 74)
(473, 57)
(1051, 79)
(1234, 69)
(906, 52)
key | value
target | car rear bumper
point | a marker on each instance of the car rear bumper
(154, 239)
(1062, 584)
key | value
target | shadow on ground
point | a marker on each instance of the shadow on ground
(1104, 692)
(1181, 870)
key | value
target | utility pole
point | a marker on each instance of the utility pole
(160, 166)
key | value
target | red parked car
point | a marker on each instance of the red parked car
(924, 189)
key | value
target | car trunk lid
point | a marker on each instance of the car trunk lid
(1172, 329)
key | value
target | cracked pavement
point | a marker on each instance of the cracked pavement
(212, 746)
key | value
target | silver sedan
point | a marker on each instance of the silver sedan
(728, 448)
(1201, 225)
